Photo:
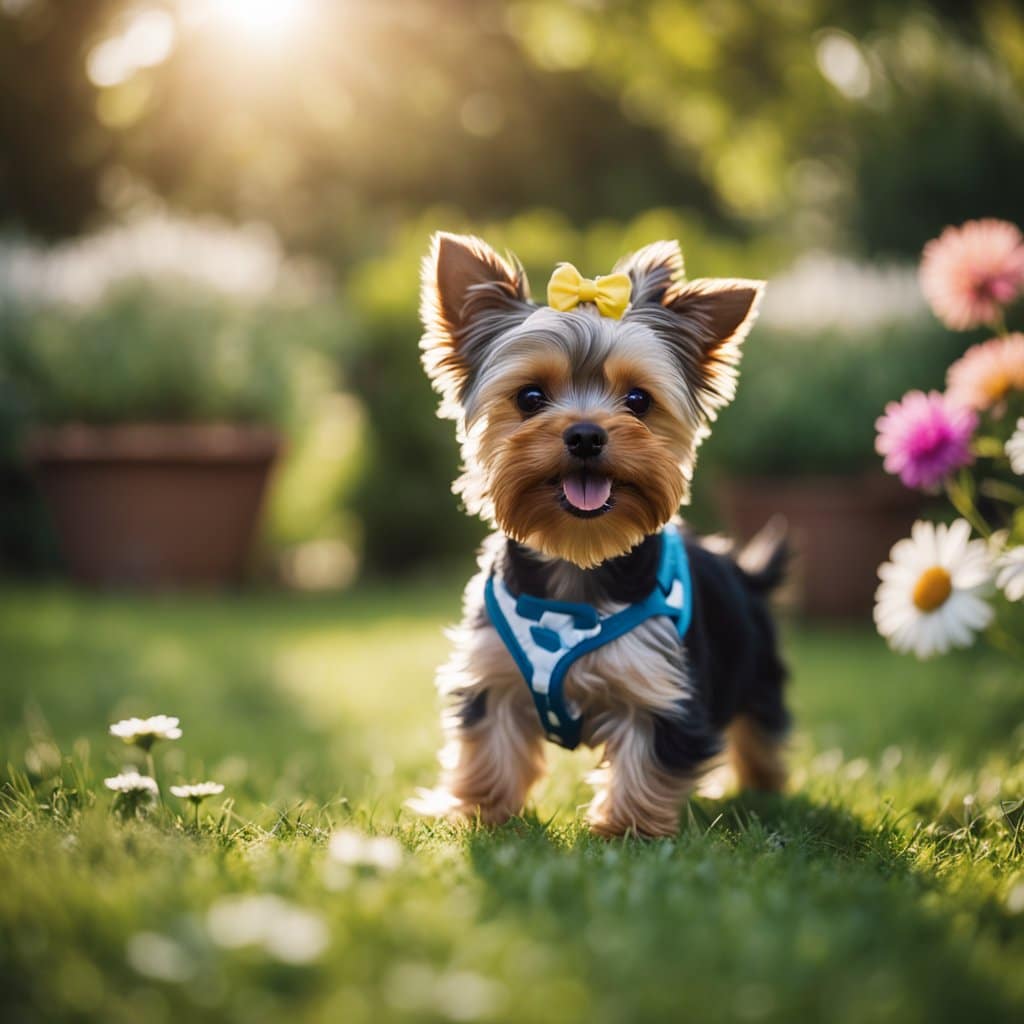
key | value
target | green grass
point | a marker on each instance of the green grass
(887, 885)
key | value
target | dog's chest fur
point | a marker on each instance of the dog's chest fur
(644, 669)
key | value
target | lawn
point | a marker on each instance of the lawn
(887, 885)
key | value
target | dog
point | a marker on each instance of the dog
(596, 617)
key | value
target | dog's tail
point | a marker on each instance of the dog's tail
(765, 557)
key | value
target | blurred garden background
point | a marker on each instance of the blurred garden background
(215, 210)
(212, 214)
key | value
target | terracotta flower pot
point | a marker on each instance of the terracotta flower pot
(841, 529)
(154, 505)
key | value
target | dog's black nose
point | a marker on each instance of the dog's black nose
(585, 440)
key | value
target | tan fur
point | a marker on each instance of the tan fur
(755, 756)
(515, 465)
(728, 308)
(633, 794)
(526, 471)
(489, 767)
(454, 266)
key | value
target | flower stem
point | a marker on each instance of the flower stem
(1007, 643)
(1002, 491)
(962, 502)
(999, 323)
(151, 770)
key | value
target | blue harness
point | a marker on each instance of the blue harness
(546, 637)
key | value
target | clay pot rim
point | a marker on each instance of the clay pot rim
(154, 442)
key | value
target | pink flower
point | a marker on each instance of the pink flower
(924, 438)
(969, 273)
(985, 374)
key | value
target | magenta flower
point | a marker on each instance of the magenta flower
(969, 273)
(924, 438)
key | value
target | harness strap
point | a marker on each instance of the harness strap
(546, 637)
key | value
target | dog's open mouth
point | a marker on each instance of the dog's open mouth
(586, 495)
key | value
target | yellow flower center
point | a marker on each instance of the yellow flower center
(932, 589)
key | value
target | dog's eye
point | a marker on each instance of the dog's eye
(638, 401)
(530, 399)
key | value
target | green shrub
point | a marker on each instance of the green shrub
(147, 353)
(808, 400)
(401, 495)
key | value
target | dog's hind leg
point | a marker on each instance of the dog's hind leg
(756, 736)
(755, 753)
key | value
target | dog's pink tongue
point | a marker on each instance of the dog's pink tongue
(586, 492)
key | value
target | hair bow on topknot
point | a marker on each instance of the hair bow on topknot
(568, 288)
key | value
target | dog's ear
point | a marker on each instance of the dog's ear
(654, 269)
(712, 317)
(468, 296)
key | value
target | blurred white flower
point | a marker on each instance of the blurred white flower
(144, 732)
(821, 290)
(197, 791)
(247, 262)
(157, 956)
(1010, 574)
(932, 590)
(353, 849)
(419, 990)
(284, 930)
(1015, 448)
(133, 783)
(1015, 899)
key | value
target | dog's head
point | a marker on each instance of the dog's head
(579, 425)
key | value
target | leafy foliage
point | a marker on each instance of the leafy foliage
(808, 401)
(152, 353)
(799, 118)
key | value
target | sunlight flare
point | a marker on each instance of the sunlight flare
(263, 21)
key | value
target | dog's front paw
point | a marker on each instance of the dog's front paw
(442, 803)
(434, 803)
(610, 820)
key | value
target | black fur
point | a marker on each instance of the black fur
(731, 651)
(626, 579)
(685, 740)
(471, 709)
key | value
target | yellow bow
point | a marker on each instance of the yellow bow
(568, 288)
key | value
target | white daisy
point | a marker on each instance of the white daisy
(144, 732)
(197, 791)
(352, 848)
(286, 931)
(1015, 448)
(132, 782)
(932, 592)
(1010, 574)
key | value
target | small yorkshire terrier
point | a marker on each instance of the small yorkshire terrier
(595, 616)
